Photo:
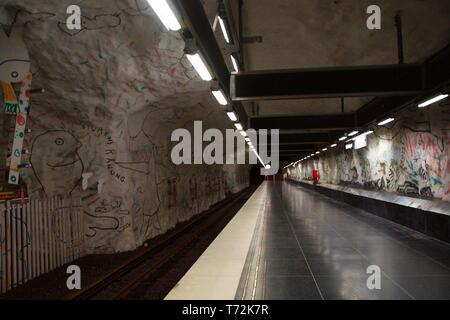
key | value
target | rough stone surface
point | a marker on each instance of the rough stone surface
(115, 91)
(409, 156)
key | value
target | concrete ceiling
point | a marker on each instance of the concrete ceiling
(305, 34)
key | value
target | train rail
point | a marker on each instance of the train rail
(123, 282)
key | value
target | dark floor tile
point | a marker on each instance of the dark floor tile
(328, 241)
(410, 267)
(278, 237)
(275, 219)
(280, 243)
(277, 228)
(336, 266)
(286, 267)
(282, 253)
(339, 242)
(431, 248)
(291, 288)
(329, 252)
(389, 253)
(426, 287)
(355, 288)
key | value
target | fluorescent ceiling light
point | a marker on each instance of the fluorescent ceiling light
(388, 120)
(268, 166)
(351, 134)
(199, 66)
(243, 133)
(360, 142)
(235, 64)
(224, 30)
(247, 139)
(317, 152)
(232, 116)
(238, 126)
(334, 145)
(312, 154)
(433, 100)
(349, 146)
(165, 14)
(259, 158)
(324, 149)
(361, 135)
(218, 94)
(342, 138)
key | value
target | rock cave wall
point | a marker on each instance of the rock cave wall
(409, 156)
(114, 92)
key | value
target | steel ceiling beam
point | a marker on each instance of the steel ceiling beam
(297, 147)
(380, 108)
(329, 122)
(290, 159)
(387, 80)
(436, 75)
(437, 69)
(306, 138)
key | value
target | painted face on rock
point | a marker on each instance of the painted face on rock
(14, 58)
(56, 162)
(61, 148)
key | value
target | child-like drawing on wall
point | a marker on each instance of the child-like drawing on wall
(15, 69)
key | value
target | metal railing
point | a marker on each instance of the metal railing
(37, 236)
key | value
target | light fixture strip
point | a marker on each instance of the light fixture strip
(224, 30)
(388, 120)
(235, 63)
(165, 14)
(199, 66)
(259, 158)
(218, 94)
(433, 100)
(232, 116)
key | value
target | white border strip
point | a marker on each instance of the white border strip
(217, 273)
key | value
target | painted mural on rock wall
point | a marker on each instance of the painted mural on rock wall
(142, 193)
(114, 91)
(409, 156)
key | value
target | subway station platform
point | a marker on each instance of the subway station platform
(291, 243)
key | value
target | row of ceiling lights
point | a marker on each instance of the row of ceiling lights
(346, 137)
(170, 21)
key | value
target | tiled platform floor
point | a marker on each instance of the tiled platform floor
(291, 243)
(312, 247)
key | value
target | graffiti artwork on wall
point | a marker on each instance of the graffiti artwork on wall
(105, 214)
(15, 68)
(423, 158)
(114, 125)
(409, 157)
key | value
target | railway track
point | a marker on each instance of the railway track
(135, 276)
